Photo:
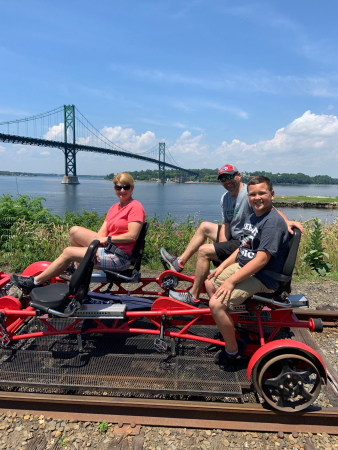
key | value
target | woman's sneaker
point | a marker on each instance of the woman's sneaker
(222, 358)
(70, 269)
(26, 284)
(171, 260)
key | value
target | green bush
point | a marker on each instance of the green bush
(29, 233)
(171, 235)
(315, 257)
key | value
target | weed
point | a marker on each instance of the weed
(102, 426)
(62, 441)
(316, 258)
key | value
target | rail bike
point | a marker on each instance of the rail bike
(286, 373)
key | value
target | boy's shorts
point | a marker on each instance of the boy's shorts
(110, 261)
(243, 290)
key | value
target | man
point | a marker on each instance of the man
(251, 269)
(235, 209)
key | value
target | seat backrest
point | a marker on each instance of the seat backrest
(294, 240)
(79, 283)
(138, 249)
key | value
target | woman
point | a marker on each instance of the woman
(123, 223)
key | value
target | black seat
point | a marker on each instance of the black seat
(289, 265)
(56, 294)
(131, 274)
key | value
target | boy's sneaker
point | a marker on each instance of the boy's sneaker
(171, 260)
(26, 284)
(222, 358)
(184, 297)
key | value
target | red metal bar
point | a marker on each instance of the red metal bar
(260, 329)
(188, 325)
(48, 325)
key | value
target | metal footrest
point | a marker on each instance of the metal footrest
(101, 311)
(98, 277)
(118, 362)
(299, 301)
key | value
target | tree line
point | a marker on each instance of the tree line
(210, 176)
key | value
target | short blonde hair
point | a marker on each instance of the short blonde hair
(124, 178)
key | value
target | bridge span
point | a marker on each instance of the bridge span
(70, 132)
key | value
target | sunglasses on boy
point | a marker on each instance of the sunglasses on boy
(227, 177)
(126, 187)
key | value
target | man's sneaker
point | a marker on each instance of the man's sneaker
(26, 284)
(184, 297)
(171, 260)
(222, 358)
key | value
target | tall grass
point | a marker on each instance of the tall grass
(38, 235)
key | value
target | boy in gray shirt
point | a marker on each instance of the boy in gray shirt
(264, 246)
(226, 238)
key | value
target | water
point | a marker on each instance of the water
(199, 200)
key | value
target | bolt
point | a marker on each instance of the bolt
(288, 376)
(300, 383)
(281, 386)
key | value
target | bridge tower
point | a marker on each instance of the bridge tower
(70, 153)
(161, 165)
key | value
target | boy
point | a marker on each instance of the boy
(263, 247)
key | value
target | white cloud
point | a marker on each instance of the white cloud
(229, 109)
(255, 81)
(186, 145)
(127, 139)
(21, 151)
(55, 133)
(45, 153)
(295, 145)
(2, 149)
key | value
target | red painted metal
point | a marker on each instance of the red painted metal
(176, 314)
(281, 344)
(36, 268)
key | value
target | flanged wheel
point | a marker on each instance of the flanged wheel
(289, 382)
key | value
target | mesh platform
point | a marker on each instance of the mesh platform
(118, 362)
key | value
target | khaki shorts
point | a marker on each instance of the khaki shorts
(243, 290)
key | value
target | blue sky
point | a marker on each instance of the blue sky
(249, 83)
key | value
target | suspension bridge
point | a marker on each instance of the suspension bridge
(67, 129)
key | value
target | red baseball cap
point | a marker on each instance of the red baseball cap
(227, 169)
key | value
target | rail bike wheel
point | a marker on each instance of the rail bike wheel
(288, 382)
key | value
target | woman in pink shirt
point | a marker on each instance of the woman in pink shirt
(121, 227)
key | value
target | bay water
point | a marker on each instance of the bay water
(199, 200)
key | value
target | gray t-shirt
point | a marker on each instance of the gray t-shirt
(235, 211)
(265, 233)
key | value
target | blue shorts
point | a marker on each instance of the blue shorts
(110, 261)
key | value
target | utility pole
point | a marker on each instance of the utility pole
(70, 153)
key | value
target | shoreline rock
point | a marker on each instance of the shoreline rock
(318, 205)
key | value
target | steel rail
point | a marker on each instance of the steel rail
(170, 413)
(329, 318)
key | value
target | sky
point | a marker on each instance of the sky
(249, 83)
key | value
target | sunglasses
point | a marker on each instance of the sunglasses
(227, 177)
(126, 187)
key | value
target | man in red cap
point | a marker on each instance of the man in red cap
(226, 237)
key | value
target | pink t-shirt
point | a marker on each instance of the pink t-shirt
(118, 218)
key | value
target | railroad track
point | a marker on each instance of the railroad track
(329, 318)
(171, 413)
